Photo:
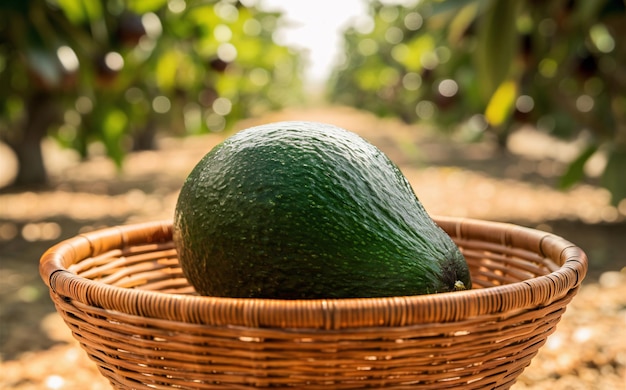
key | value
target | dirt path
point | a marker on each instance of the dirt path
(451, 178)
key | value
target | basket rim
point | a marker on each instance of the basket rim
(329, 314)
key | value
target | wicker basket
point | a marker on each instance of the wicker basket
(121, 292)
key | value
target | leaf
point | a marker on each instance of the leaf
(417, 48)
(166, 69)
(501, 103)
(614, 176)
(73, 9)
(497, 44)
(249, 51)
(461, 22)
(79, 11)
(588, 12)
(443, 6)
(143, 6)
(576, 169)
(114, 128)
(114, 124)
(93, 10)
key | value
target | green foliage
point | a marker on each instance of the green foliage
(118, 68)
(576, 170)
(495, 52)
(614, 173)
(491, 66)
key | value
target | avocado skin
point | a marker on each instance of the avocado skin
(304, 210)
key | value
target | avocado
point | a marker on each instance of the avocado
(304, 210)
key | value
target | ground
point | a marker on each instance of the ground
(476, 180)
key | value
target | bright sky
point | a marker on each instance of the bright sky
(317, 26)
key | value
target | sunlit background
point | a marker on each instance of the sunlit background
(484, 80)
(317, 28)
(109, 77)
(501, 110)
(103, 80)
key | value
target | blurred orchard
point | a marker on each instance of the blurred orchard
(487, 67)
(114, 73)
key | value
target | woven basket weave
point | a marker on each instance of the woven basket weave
(121, 292)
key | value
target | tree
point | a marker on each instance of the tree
(116, 71)
(489, 66)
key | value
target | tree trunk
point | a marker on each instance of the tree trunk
(41, 112)
(144, 139)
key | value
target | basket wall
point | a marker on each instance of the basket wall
(124, 297)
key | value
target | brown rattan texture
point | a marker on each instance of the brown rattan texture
(121, 292)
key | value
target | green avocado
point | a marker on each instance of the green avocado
(304, 210)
